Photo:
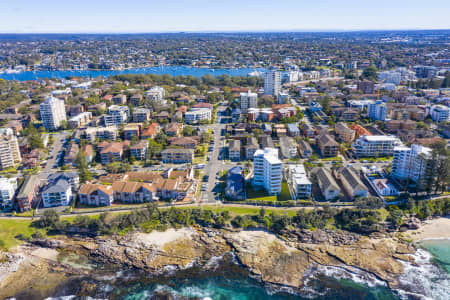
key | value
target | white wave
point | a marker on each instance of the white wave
(424, 279)
(194, 291)
(213, 263)
(351, 273)
(70, 297)
(189, 291)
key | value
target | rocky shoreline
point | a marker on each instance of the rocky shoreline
(282, 259)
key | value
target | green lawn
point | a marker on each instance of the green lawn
(259, 195)
(285, 195)
(336, 158)
(237, 210)
(10, 228)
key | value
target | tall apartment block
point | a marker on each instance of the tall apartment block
(272, 83)
(9, 149)
(53, 113)
(267, 169)
(248, 100)
(411, 163)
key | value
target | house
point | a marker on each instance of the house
(234, 150)
(132, 129)
(27, 193)
(251, 146)
(96, 194)
(136, 100)
(280, 130)
(385, 188)
(235, 184)
(293, 129)
(351, 182)
(174, 129)
(344, 132)
(139, 150)
(150, 131)
(57, 194)
(185, 142)
(177, 156)
(327, 145)
(119, 99)
(359, 130)
(71, 154)
(177, 116)
(88, 151)
(288, 147)
(266, 142)
(328, 186)
(133, 192)
(305, 149)
(162, 116)
(308, 130)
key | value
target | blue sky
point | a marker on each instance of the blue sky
(23, 16)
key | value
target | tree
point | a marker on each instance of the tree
(83, 168)
(189, 131)
(369, 203)
(370, 73)
(153, 148)
(49, 219)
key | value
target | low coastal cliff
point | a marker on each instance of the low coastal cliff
(283, 259)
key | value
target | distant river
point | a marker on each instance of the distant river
(171, 70)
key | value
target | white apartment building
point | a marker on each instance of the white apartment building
(53, 113)
(9, 149)
(267, 169)
(80, 120)
(197, 114)
(102, 133)
(248, 100)
(375, 145)
(8, 187)
(411, 162)
(116, 115)
(298, 181)
(440, 113)
(156, 93)
(272, 83)
(57, 194)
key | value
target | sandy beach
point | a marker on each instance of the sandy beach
(432, 229)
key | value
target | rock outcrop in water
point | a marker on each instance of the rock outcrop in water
(281, 260)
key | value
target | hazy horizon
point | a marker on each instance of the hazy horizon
(140, 16)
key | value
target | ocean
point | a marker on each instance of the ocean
(428, 279)
(170, 70)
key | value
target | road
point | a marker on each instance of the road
(58, 144)
(214, 166)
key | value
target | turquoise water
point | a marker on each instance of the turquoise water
(440, 249)
(245, 288)
(171, 70)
